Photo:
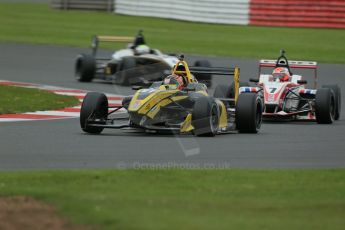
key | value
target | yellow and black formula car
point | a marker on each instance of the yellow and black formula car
(164, 107)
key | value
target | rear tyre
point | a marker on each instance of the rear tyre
(205, 117)
(337, 99)
(324, 106)
(204, 78)
(124, 73)
(223, 91)
(248, 113)
(94, 106)
(85, 68)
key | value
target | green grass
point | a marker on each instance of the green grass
(189, 199)
(18, 100)
(35, 23)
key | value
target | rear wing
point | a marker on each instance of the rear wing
(105, 38)
(283, 62)
(213, 70)
(292, 64)
(136, 41)
(220, 71)
(181, 67)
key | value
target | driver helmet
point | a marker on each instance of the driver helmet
(141, 49)
(281, 73)
(174, 79)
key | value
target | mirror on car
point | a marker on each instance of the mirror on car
(137, 87)
(302, 82)
(254, 80)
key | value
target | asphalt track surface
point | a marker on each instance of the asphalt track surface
(60, 144)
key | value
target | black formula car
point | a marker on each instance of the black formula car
(136, 64)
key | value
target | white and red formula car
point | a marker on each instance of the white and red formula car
(290, 99)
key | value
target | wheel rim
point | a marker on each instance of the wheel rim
(214, 118)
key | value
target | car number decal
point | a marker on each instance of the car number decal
(272, 90)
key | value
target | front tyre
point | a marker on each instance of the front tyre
(94, 107)
(248, 113)
(324, 106)
(205, 117)
(125, 71)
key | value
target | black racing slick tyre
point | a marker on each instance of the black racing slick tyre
(227, 91)
(223, 91)
(248, 113)
(94, 107)
(324, 106)
(337, 99)
(203, 77)
(205, 117)
(124, 74)
(85, 68)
